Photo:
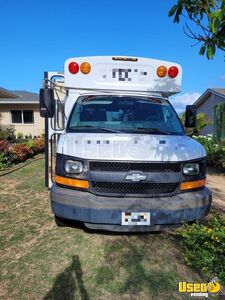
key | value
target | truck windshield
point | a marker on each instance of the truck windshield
(124, 114)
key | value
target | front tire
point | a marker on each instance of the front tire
(60, 222)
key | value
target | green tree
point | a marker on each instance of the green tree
(202, 121)
(208, 16)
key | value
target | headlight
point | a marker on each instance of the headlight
(191, 169)
(73, 167)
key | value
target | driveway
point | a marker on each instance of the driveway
(216, 183)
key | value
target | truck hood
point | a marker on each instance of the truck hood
(127, 147)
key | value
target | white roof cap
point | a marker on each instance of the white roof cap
(123, 74)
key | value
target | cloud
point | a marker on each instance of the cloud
(223, 77)
(179, 102)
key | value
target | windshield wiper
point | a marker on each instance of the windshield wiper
(95, 127)
(153, 130)
(138, 129)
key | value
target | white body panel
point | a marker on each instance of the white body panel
(128, 147)
(140, 75)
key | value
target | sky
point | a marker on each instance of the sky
(39, 35)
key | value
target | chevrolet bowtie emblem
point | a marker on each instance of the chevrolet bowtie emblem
(135, 177)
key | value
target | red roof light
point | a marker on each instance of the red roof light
(73, 67)
(173, 72)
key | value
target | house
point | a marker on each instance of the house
(206, 103)
(19, 110)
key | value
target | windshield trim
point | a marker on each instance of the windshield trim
(98, 129)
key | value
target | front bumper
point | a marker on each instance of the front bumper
(93, 209)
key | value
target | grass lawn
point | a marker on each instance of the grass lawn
(40, 261)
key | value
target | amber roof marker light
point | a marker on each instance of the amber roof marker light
(85, 67)
(125, 58)
(162, 71)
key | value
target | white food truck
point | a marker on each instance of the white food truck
(117, 156)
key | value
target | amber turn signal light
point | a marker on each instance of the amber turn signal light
(76, 183)
(190, 185)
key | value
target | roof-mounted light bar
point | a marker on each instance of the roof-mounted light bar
(125, 58)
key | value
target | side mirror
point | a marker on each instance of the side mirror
(47, 103)
(190, 116)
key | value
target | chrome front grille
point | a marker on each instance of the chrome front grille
(111, 166)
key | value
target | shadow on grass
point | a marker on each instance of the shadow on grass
(132, 265)
(68, 283)
(80, 225)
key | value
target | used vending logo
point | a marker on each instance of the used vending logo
(196, 289)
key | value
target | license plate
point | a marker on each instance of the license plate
(135, 218)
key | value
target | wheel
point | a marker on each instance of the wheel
(60, 222)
